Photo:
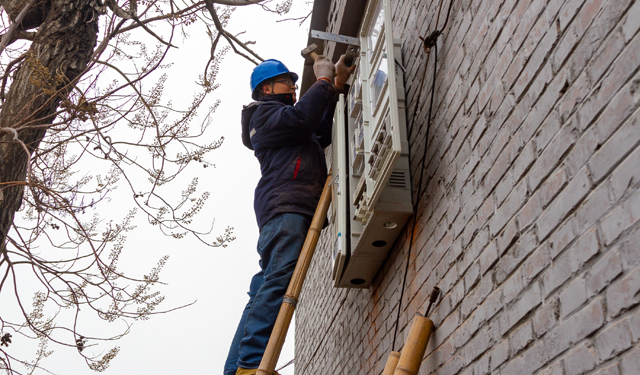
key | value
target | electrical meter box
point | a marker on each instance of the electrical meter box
(371, 185)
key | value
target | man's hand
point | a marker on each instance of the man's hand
(343, 73)
(324, 68)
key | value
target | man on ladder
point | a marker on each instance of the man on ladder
(288, 138)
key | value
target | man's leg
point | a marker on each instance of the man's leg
(280, 243)
(231, 365)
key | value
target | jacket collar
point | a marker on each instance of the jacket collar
(286, 99)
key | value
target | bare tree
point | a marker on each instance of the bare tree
(81, 91)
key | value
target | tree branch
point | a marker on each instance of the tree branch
(7, 37)
(237, 3)
(230, 38)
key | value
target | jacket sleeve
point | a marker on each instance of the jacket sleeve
(323, 132)
(279, 125)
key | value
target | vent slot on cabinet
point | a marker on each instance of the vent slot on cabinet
(398, 179)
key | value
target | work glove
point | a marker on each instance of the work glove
(342, 72)
(324, 68)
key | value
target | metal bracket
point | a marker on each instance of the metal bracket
(335, 38)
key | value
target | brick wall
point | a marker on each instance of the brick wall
(530, 218)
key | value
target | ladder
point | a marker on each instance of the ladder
(276, 340)
(406, 363)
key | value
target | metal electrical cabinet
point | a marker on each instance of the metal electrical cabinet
(371, 187)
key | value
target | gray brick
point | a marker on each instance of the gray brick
(482, 365)
(572, 297)
(631, 363)
(551, 156)
(634, 324)
(621, 218)
(488, 257)
(630, 251)
(471, 277)
(613, 340)
(626, 174)
(561, 237)
(529, 300)
(508, 209)
(513, 286)
(556, 368)
(520, 338)
(568, 11)
(583, 323)
(479, 344)
(564, 202)
(499, 354)
(445, 329)
(515, 255)
(538, 261)
(607, 269)
(479, 317)
(631, 22)
(609, 370)
(472, 301)
(623, 293)
(571, 261)
(615, 148)
(621, 106)
(559, 110)
(545, 317)
(579, 361)
(527, 363)
(592, 208)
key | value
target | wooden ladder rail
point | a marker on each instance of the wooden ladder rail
(276, 340)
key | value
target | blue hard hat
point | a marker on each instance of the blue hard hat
(265, 70)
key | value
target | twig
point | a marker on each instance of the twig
(131, 15)
(7, 72)
(230, 38)
(7, 36)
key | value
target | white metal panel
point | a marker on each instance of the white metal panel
(339, 190)
(378, 201)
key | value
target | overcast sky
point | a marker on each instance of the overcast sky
(195, 340)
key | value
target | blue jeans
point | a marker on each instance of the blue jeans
(279, 245)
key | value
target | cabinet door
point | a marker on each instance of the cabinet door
(340, 190)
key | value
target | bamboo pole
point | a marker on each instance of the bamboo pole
(415, 346)
(276, 340)
(392, 363)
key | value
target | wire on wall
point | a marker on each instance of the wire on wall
(429, 42)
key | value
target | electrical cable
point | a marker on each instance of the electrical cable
(428, 43)
(415, 207)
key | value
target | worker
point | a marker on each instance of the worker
(288, 138)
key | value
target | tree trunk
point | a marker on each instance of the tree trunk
(60, 52)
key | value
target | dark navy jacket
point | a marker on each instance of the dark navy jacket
(288, 141)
